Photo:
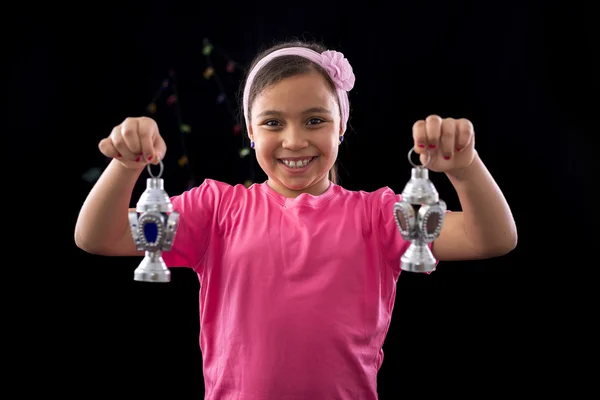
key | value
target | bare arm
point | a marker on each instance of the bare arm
(102, 226)
(485, 228)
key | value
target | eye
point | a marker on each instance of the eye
(271, 123)
(315, 121)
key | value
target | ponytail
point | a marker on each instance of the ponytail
(333, 176)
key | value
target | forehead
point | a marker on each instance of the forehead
(296, 92)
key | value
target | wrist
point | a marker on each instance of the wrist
(128, 169)
(464, 173)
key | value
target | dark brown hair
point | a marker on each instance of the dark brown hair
(281, 68)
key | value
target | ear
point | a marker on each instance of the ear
(250, 133)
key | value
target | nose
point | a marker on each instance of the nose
(294, 138)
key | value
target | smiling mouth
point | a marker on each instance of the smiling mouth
(299, 163)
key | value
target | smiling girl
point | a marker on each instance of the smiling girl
(298, 275)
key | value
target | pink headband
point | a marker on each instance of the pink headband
(338, 68)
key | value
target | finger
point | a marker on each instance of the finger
(160, 149)
(465, 134)
(147, 131)
(130, 133)
(420, 137)
(118, 141)
(108, 149)
(448, 138)
(433, 128)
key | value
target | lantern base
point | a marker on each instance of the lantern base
(152, 269)
(418, 258)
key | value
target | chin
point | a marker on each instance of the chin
(297, 184)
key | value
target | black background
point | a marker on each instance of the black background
(525, 75)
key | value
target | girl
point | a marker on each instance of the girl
(298, 275)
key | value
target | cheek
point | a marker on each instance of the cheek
(332, 146)
(264, 149)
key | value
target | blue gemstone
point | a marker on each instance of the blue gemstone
(150, 232)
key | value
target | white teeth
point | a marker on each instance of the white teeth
(297, 164)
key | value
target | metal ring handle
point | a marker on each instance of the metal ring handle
(417, 166)
(162, 167)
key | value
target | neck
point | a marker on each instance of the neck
(316, 189)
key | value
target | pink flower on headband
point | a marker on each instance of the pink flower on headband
(339, 69)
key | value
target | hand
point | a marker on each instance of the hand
(135, 143)
(449, 142)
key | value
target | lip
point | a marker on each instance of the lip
(295, 158)
(295, 170)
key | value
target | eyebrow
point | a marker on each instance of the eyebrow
(309, 111)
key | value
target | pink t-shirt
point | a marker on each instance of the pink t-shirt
(296, 294)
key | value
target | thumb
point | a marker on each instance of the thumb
(160, 149)
(107, 148)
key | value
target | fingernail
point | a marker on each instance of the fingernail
(421, 145)
(432, 146)
(150, 157)
(446, 157)
(458, 149)
(119, 155)
(137, 159)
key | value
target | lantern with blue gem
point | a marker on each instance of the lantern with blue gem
(153, 227)
(419, 216)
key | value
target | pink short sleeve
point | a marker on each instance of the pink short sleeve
(197, 208)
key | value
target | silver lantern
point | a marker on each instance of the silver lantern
(153, 227)
(419, 216)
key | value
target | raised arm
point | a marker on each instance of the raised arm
(102, 225)
(485, 228)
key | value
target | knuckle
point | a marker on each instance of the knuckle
(147, 120)
(148, 124)
(449, 121)
(419, 124)
(128, 131)
(117, 139)
(434, 118)
(115, 131)
(466, 123)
